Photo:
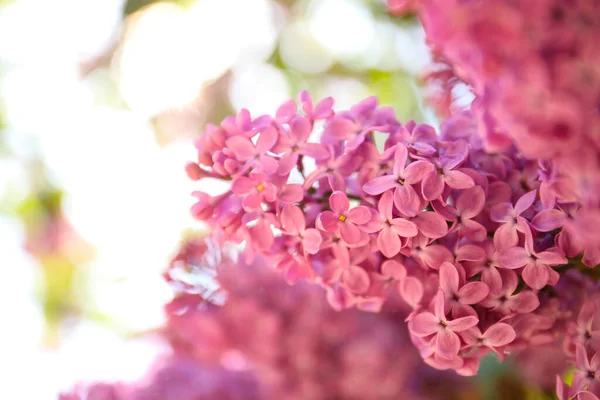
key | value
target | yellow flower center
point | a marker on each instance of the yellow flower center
(260, 187)
(342, 218)
(401, 181)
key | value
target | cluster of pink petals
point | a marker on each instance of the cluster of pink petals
(533, 67)
(468, 239)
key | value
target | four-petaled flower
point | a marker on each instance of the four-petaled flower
(344, 218)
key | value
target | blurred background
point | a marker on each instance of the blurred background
(99, 103)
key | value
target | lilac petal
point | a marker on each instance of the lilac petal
(292, 193)
(411, 291)
(323, 109)
(502, 212)
(525, 202)
(338, 202)
(581, 358)
(270, 192)
(292, 219)
(536, 275)
(268, 164)
(356, 279)
(407, 200)
(491, 277)
(262, 235)
(300, 129)
(447, 343)
(470, 252)
(552, 256)
(463, 323)
(388, 242)
(587, 314)
(586, 396)
(329, 221)
(314, 150)
(473, 230)
(524, 302)
(340, 128)
(435, 255)
(386, 205)
(424, 324)
(432, 186)
(286, 110)
(242, 147)
(311, 241)
(336, 181)
(506, 237)
(473, 292)
(243, 185)
(431, 225)
(393, 269)
(287, 163)
(380, 184)
(458, 180)
(499, 334)
(400, 156)
(416, 171)
(252, 201)
(404, 228)
(514, 258)
(448, 279)
(359, 215)
(470, 202)
(350, 233)
(266, 140)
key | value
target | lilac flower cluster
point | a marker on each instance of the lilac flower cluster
(269, 340)
(470, 240)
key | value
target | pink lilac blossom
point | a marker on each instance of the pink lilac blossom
(448, 221)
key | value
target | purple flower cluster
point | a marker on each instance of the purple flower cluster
(470, 240)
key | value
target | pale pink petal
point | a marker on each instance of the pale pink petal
(386, 205)
(359, 215)
(287, 163)
(525, 202)
(393, 269)
(506, 237)
(547, 220)
(252, 201)
(447, 343)
(411, 291)
(424, 324)
(329, 221)
(400, 156)
(336, 181)
(286, 110)
(323, 109)
(404, 228)
(311, 242)
(435, 255)
(458, 180)
(502, 212)
(470, 202)
(499, 334)
(448, 279)
(587, 314)
(342, 256)
(270, 192)
(407, 200)
(300, 129)
(266, 140)
(339, 202)
(473, 230)
(306, 102)
(514, 258)
(268, 164)
(242, 147)
(524, 302)
(536, 275)
(262, 235)
(463, 323)
(586, 396)
(292, 219)
(470, 252)
(340, 128)
(356, 280)
(432, 186)
(581, 358)
(552, 257)
(491, 277)
(416, 171)
(388, 242)
(431, 225)
(380, 184)
(292, 193)
(314, 150)
(350, 232)
(473, 292)
(242, 185)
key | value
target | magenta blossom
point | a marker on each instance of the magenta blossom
(293, 223)
(343, 218)
(506, 235)
(458, 298)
